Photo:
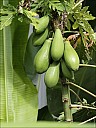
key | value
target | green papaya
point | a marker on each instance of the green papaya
(38, 39)
(42, 24)
(42, 58)
(68, 73)
(57, 47)
(70, 56)
(52, 75)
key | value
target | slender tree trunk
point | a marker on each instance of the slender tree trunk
(66, 102)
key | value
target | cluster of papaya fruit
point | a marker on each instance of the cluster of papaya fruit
(62, 55)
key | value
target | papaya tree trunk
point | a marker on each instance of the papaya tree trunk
(66, 102)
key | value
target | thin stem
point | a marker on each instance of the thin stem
(76, 95)
(81, 106)
(75, 85)
(87, 65)
(88, 120)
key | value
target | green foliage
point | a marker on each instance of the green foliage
(74, 12)
(22, 83)
(31, 16)
(56, 5)
(85, 50)
(7, 13)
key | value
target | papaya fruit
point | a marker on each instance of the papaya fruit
(42, 24)
(52, 75)
(68, 73)
(38, 39)
(42, 58)
(70, 56)
(57, 47)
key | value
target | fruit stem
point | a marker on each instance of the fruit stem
(66, 102)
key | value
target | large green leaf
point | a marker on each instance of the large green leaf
(54, 100)
(48, 124)
(28, 91)
(6, 73)
(18, 96)
(30, 53)
(44, 114)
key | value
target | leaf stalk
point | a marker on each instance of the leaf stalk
(75, 85)
(82, 106)
(87, 65)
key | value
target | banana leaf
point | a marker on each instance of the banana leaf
(48, 124)
(18, 96)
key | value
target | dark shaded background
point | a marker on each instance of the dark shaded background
(92, 9)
